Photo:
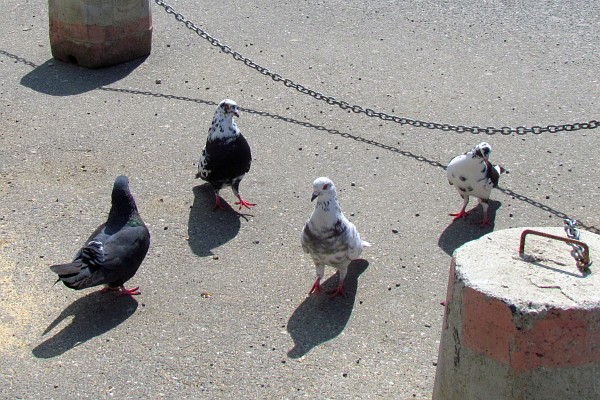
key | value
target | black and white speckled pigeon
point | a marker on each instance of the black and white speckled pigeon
(226, 157)
(113, 253)
(329, 237)
(473, 175)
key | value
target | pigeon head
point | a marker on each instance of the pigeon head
(483, 150)
(122, 200)
(120, 188)
(323, 188)
(229, 107)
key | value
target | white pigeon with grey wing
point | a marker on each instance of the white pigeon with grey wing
(329, 237)
(472, 174)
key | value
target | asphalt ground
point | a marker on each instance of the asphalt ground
(67, 132)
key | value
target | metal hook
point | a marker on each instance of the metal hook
(583, 265)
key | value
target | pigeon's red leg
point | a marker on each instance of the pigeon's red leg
(339, 291)
(485, 220)
(244, 203)
(316, 287)
(219, 202)
(122, 290)
(235, 187)
(459, 215)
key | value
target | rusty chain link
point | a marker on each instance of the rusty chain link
(578, 251)
(344, 105)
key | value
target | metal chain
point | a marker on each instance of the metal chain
(577, 252)
(344, 105)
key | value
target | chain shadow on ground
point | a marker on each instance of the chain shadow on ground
(285, 119)
(209, 228)
(92, 315)
(464, 230)
(319, 318)
(306, 124)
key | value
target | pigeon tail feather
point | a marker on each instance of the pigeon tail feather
(76, 276)
(66, 269)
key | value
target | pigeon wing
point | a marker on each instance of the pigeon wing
(307, 237)
(106, 259)
(355, 243)
(124, 253)
(493, 173)
(225, 159)
(86, 269)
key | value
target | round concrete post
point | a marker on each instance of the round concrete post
(99, 33)
(520, 327)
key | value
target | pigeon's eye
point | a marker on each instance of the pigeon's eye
(326, 186)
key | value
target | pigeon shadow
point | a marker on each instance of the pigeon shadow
(464, 230)
(92, 315)
(320, 318)
(57, 78)
(210, 228)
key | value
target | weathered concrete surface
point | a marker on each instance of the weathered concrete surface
(66, 133)
(520, 327)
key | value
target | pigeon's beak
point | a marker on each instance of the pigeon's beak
(314, 196)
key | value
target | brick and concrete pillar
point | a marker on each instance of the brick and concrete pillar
(520, 327)
(99, 33)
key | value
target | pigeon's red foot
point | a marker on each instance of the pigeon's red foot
(123, 291)
(219, 203)
(485, 222)
(316, 287)
(461, 214)
(129, 292)
(337, 292)
(244, 203)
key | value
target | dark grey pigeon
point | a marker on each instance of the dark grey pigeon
(113, 253)
(226, 157)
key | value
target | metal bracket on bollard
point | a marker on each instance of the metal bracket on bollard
(583, 265)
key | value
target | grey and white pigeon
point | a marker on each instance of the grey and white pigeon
(113, 253)
(226, 157)
(473, 175)
(329, 237)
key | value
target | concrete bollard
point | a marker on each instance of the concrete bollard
(520, 327)
(99, 33)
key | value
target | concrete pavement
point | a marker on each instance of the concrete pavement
(67, 132)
